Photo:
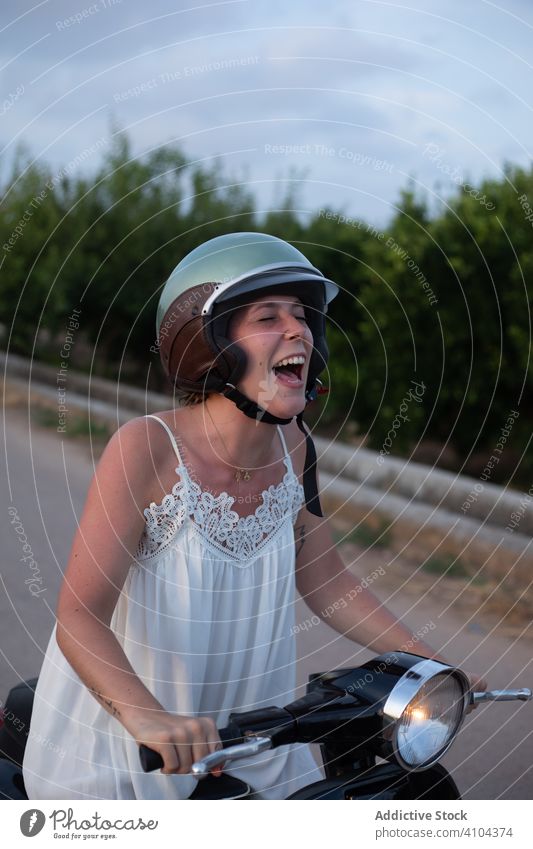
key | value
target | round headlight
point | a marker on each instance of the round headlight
(430, 721)
(424, 712)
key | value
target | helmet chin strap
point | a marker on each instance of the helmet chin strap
(254, 411)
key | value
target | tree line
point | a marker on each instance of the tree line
(430, 337)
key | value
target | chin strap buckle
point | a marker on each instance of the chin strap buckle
(318, 389)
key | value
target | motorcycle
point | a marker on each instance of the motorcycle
(399, 708)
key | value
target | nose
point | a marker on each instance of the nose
(293, 327)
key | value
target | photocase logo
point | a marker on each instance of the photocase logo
(32, 822)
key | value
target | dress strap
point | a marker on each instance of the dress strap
(170, 436)
(287, 457)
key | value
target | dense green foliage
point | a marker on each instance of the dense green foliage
(429, 338)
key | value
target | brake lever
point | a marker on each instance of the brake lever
(253, 746)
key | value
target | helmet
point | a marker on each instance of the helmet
(194, 311)
(213, 280)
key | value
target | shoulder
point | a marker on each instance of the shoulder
(134, 457)
(137, 439)
(148, 432)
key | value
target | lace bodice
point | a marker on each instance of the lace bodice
(239, 538)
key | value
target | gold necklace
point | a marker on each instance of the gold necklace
(239, 473)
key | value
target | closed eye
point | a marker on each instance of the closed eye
(273, 317)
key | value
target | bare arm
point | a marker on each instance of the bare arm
(341, 599)
(102, 552)
(338, 596)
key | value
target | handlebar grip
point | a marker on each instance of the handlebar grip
(152, 760)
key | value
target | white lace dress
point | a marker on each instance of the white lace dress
(205, 618)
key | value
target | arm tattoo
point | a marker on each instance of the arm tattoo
(107, 703)
(300, 538)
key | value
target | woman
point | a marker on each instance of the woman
(173, 615)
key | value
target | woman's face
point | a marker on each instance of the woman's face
(270, 330)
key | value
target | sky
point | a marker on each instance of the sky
(344, 102)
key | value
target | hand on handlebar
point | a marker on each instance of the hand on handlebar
(180, 740)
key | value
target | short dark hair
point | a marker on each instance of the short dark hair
(190, 399)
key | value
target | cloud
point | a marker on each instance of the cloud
(359, 84)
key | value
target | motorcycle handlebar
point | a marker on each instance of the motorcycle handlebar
(262, 743)
(235, 747)
(523, 695)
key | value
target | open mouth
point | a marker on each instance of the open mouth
(289, 370)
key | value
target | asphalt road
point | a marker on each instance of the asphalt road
(47, 479)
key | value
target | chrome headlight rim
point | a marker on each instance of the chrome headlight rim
(404, 691)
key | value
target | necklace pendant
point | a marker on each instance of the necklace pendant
(247, 474)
